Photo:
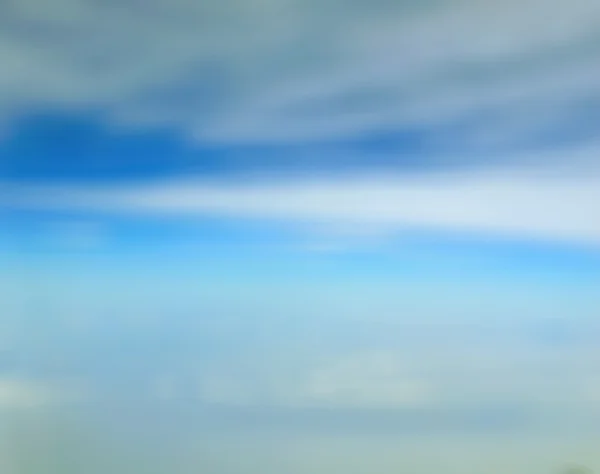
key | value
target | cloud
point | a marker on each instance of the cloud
(281, 70)
(467, 381)
(372, 380)
(519, 203)
(19, 393)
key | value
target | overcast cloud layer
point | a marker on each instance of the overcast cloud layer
(284, 70)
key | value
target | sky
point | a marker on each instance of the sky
(284, 236)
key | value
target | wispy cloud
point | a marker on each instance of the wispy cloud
(458, 387)
(550, 205)
(18, 392)
(281, 70)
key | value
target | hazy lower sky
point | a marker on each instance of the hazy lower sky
(285, 236)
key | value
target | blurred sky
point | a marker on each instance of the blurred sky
(285, 236)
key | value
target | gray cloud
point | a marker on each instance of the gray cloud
(289, 70)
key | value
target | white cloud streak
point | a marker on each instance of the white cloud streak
(552, 206)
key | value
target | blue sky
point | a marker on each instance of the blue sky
(321, 227)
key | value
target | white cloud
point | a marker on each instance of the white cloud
(359, 381)
(18, 392)
(292, 69)
(554, 206)
(372, 380)
(558, 387)
(455, 377)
